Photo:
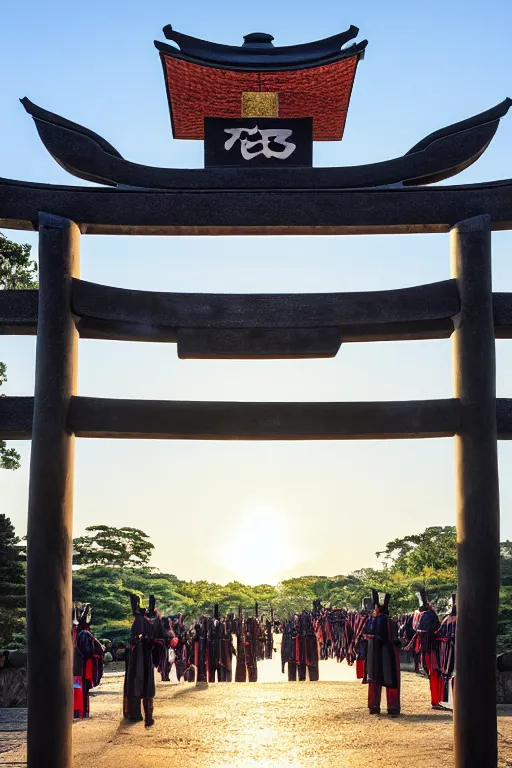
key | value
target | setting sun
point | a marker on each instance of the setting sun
(261, 547)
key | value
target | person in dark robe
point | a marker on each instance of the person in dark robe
(311, 652)
(229, 649)
(161, 640)
(240, 669)
(87, 661)
(358, 644)
(139, 679)
(297, 638)
(406, 631)
(424, 644)
(269, 637)
(200, 650)
(221, 649)
(165, 634)
(445, 637)
(382, 667)
(181, 645)
(252, 646)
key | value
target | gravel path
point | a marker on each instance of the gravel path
(277, 724)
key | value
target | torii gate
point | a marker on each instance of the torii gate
(256, 201)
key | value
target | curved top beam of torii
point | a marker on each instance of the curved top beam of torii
(440, 155)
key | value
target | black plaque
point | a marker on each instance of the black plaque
(258, 142)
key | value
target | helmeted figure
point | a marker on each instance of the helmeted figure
(139, 680)
(382, 667)
(424, 645)
(87, 660)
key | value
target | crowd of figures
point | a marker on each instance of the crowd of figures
(202, 654)
(372, 640)
(368, 639)
(432, 644)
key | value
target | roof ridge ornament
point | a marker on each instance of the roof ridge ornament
(258, 40)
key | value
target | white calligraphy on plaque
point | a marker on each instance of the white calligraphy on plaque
(249, 148)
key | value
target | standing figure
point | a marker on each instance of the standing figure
(310, 642)
(291, 651)
(445, 636)
(161, 640)
(139, 679)
(200, 650)
(299, 648)
(87, 660)
(358, 645)
(252, 648)
(424, 644)
(407, 627)
(181, 646)
(382, 667)
(240, 669)
(269, 637)
(219, 647)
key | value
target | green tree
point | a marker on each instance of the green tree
(12, 583)
(17, 270)
(435, 548)
(426, 560)
(119, 547)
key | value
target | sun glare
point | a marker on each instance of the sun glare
(261, 546)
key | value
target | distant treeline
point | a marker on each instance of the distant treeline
(111, 563)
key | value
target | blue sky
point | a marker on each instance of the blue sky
(258, 510)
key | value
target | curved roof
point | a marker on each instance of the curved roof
(258, 52)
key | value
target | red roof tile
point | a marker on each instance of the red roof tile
(196, 91)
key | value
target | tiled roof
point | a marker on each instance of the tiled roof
(196, 91)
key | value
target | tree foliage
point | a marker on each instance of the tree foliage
(111, 563)
(426, 560)
(435, 548)
(118, 547)
(12, 583)
(17, 270)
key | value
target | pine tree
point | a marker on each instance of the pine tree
(12, 583)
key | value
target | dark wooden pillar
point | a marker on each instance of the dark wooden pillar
(477, 499)
(49, 546)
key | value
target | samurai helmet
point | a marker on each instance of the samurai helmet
(135, 603)
(384, 608)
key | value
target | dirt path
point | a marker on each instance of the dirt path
(265, 724)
